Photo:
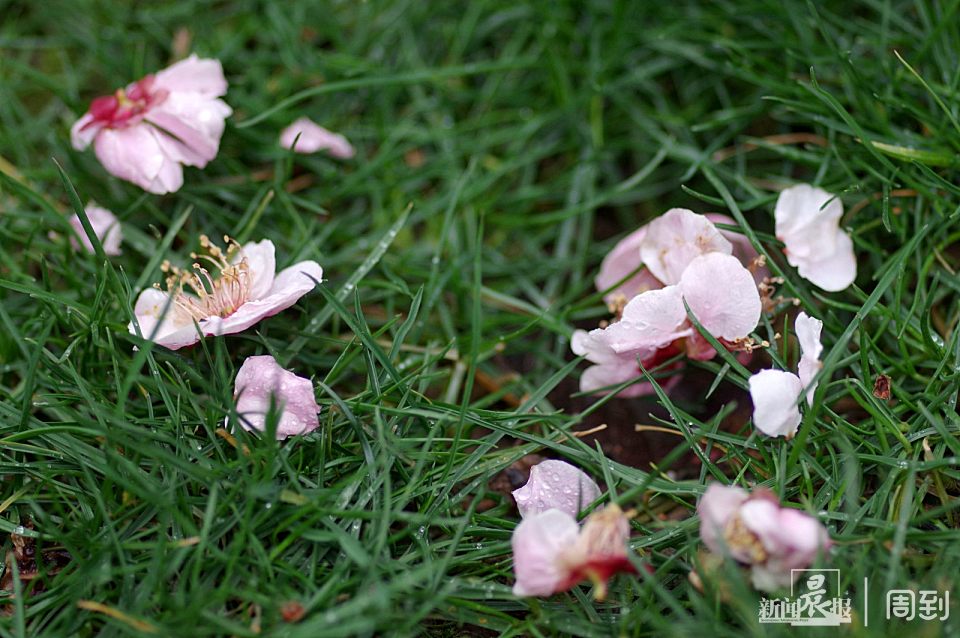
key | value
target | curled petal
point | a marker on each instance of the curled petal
(832, 272)
(83, 132)
(161, 322)
(722, 295)
(775, 394)
(261, 259)
(675, 238)
(556, 485)
(261, 381)
(135, 154)
(808, 334)
(313, 138)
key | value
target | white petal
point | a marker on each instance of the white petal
(556, 485)
(134, 154)
(313, 138)
(722, 295)
(806, 221)
(834, 271)
(808, 334)
(775, 394)
(675, 238)
(261, 264)
(194, 74)
(650, 321)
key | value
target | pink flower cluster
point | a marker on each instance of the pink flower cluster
(684, 255)
(756, 531)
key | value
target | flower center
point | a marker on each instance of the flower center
(199, 294)
(118, 109)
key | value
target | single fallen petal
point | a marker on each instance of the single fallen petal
(557, 485)
(674, 239)
(105, 226)
(807, 222)
(313, 138)
(260, 383)
(775, 394)
(808, 334)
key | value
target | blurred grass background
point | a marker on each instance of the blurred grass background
(502, 148)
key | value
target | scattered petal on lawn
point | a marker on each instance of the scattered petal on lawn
(105, 225)
(551, 553)
(755, 530)
(675, 238)
(146, 132)
(244, 289)
(261, 381)
(807, 222)
(775, 394)
(808, 334)
(313, 138)
(556, 485)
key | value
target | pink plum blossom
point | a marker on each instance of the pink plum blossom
(145, 133)
(776, 393)
(243, 289)
(556, 485)
(653, 322)
(105, 225)
(551, 553)
(313, 138)
(625, 257)
(808, 223)
(756, 531)
(260, 383)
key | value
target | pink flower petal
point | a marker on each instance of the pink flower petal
(161, 322)
(556, 485)
(260, 380)
(650, 321)
(105, 225)
(674, 239)
(134, 154)
(716, 507)
(808, 334)
(83, 132)
(722, 295)
(775, 394)
(538, 541)
(742, 248)
(194, 74)
(313, 138)
(620, 262)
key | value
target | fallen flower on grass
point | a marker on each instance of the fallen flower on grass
(244, 289)
(808, 224)
(260, 383)
(776, 393)
(145, 133)
(313, 138)
(756, 531)
(654, 325)
(683, 232)
(551, 553)
(105, 225)
(556, 485)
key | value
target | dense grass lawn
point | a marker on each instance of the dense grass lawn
(502, 149)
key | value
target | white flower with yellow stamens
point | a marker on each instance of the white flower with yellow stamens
(242, 288)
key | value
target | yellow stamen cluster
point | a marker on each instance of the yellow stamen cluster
(742, 542)
(213, 295)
